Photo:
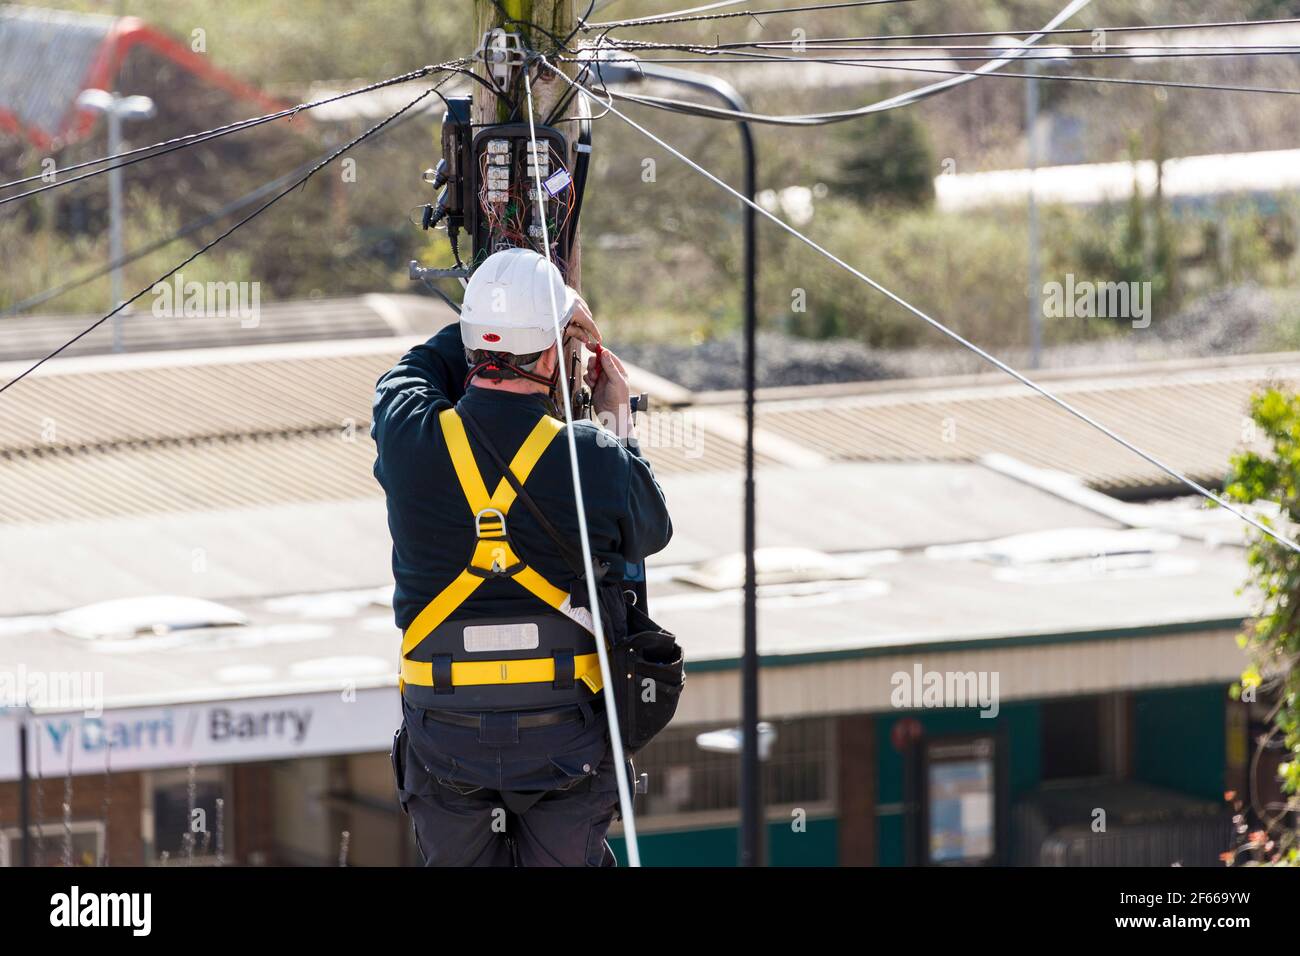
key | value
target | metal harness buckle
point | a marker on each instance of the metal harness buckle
(495, 534)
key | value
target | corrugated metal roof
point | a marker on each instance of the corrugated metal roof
(307, 320)
(330, 463)
(226, 474)
(916, 605)
(1192, 419)
(244, 427)
(908, 596)
(202, 475)
(190, 401)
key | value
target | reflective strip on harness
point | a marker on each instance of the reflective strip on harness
(492, 555)
(586, 668)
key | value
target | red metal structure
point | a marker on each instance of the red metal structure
(50, 56)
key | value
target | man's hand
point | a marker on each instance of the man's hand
(606, 376)
(582, 326)
(607, 379)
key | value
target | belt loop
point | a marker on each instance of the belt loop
(498, 729)
(564, 669)
(588, 715)
(442, 674)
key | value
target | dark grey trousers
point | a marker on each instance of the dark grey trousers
(498, 795)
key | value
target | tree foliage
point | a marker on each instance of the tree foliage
(889, 161)
(1272, 637)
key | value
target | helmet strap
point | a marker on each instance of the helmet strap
(499, 367)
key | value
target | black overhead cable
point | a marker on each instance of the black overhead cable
(300, 181)
(731, 14)
(229, 128)
(508, 17)
(946, 330)
(1143, 28)
(839, 116)
(698, 109)
(602, 4)
(990, 53)
(193, 139)
(823, 44)
(912, 96)
(564, 101)
(188, 229)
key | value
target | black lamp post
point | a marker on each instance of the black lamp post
(751, 811)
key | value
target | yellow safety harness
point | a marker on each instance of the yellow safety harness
(493, 557)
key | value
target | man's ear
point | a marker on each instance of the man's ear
(546, 364)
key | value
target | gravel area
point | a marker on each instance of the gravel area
(1238, 321)
(782, 360)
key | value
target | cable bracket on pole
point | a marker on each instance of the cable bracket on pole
(502, 52)
(416, 272)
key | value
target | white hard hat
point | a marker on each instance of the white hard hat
(507, 306)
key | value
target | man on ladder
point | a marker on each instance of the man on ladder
(504, 755)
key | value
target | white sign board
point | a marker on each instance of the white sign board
(213, 732)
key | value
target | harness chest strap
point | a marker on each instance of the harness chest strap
(492, 556)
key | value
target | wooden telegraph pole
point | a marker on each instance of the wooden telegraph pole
(541, 25)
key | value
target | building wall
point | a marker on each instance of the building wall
(115, 800)
(1181, 739)
(1019, 722)
(1179, 742)
(855, 773)
(251, 800)
(720, 846)
(1030, 669)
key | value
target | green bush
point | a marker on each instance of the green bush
(1272, 476)
(887, 161)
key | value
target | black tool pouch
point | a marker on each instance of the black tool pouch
(648, 673)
